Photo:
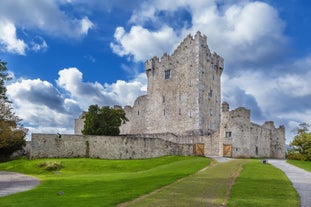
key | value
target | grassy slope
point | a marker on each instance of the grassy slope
(94, 182)
(262, 185)
(306, 165)
(205, 188)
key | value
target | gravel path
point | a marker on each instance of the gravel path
(11, 182)
(300, 178)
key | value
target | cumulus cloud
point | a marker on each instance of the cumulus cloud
(54, 107)
(39, 17)
(46, 16)
(8, 39)
(42, 106)
(140, 43)
(231, 29)
(86, 93)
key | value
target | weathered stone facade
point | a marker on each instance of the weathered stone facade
(183, 94)
(183, 103)
(242, 138)
(108, 147)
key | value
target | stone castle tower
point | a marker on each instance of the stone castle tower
(183, 106)
(183, 94)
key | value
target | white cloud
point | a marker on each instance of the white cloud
(42, 107)
(50, 109)
(38, 44)
(231, 29)
(86, 93)
(86, 25)
(46, 16)
(8, 40)
(143, 44)
(39, 17)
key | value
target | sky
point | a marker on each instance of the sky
(65, 55)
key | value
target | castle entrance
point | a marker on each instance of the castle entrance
(227, 150)
(198, 149)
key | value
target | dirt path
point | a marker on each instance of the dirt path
(208, 187)
(11, 183)
(300, 178)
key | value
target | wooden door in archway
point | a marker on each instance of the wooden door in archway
(198, 149)
(227, 150)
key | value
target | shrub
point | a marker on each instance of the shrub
(51, 165)
(296, 156)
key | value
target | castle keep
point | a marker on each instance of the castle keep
(183, 94)
(184, 99)
(181, 114)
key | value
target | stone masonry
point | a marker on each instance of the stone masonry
(107, 147)
(183, 94)
(183, 105)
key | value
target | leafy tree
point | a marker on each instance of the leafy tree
(301, 145)
(12, 133)
(103, 121)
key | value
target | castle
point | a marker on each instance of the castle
(183, 105)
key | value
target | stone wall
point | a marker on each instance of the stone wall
(108, 147)
(248, 139)
(183, 94)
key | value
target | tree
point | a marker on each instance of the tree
(12, 133)
(103, 121)
(301, 144)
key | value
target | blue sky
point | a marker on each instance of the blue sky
(65, 55)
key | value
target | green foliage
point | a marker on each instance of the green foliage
(262, 185)
(96, 182)
(12, 133)
(301, 145)
(10, 139)
(4, 76)
(51, 165)
(103, 121)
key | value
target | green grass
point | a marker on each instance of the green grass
(306, 165)
(95, 182)
(262, 185)
(205, 188)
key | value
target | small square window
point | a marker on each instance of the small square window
(228, 134)
(167, 74)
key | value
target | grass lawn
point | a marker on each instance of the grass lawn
(262, 185)
(306, 165)
(205, 188)
(95, 182)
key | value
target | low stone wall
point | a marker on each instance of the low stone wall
(108, 147)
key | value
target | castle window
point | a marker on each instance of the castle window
(190, 114)
(167, 74)
(228, 134)
(138, 113)
(179, 111)
(163, 99)
(210, 94)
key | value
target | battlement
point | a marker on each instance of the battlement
(188, 42)
(218, 61)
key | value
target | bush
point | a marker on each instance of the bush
(51, 165)
(296, 156)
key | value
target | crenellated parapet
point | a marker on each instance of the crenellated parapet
(151, 63)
